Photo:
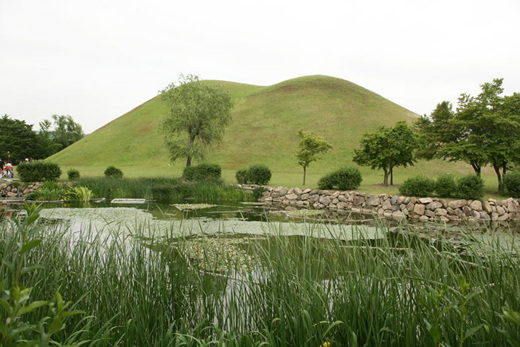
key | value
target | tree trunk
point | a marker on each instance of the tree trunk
(304, 174)
(190, 144)
(499, 177)
(385, 180)
(392, 176)
(477, 168)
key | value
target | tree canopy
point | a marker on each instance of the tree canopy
(483, 130)
(59, 134)
(199, 111)
(387, 148)
(310, 147)
(17, 140)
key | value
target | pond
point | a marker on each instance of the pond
(181, 220)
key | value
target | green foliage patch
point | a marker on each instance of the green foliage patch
(38, 171)
(512, 184)
(420, 186)
(445, 186)
(202, 172)
(343, 179)
(470, 187)
(258, 174)
(113, 172)
(241, 176)
(73, 174)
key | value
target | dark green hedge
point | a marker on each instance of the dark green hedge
(113, 172)
(202, 172)
(512, 184)
(38, 171)
(417, 186)
(343, 179)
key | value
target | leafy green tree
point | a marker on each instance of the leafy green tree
(388, 148)
(442, 137)
(60, 133)
(310, 146)
(198, 110)
(483, 130)
(17, 140)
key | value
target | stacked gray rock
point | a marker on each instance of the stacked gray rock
(10, 190)
(396, 207)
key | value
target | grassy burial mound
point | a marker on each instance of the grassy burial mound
(264, 127)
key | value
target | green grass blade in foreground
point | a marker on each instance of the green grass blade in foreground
(296, 290)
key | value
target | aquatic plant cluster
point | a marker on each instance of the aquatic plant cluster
(164, 190)
(137, 287)
(53, 191)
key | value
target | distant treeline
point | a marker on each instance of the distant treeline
(18, 140)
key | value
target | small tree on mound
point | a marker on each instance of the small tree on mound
(196, 109)
(310, 146)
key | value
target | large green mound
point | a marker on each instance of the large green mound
(264, 127)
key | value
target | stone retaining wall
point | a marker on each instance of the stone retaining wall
(10, 189)
(392, 206)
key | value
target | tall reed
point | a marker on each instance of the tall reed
(165, 190)
(293, 291)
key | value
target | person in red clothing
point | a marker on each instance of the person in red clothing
(8, 169)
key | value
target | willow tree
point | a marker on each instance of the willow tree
(310, 146)
(197, 117)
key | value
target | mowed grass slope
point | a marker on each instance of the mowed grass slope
(264, 130)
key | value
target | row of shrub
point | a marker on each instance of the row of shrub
(348, 178)
(466, 187)
(39, 171)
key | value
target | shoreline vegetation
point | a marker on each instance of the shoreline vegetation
(137, 287)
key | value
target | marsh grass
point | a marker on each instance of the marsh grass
(164, 190)
(296, 291)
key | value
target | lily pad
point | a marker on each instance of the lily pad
(183, 207)
(128, 201)
(304, 213)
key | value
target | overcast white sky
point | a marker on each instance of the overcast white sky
(97, 59)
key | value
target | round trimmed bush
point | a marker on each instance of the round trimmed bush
(113, 172)
(258, 174)
(73, 174)
(417, 186)
(445, 187)
(470, 187)
(343, 179)
(241, 176)
(512, 184)
(202, 172)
